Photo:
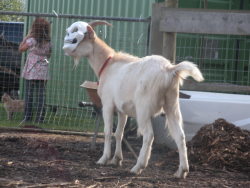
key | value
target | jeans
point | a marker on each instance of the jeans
(35, 89)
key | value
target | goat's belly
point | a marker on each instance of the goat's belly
(127, 108)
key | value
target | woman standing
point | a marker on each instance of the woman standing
(35, 71)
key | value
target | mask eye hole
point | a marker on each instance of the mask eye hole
(75, 30)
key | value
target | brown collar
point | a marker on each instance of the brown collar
(104, 66)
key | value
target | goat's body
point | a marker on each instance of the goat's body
(137, 87)
(128, 81)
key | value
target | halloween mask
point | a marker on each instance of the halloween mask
(74, 35)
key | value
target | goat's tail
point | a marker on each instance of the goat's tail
(185, 69)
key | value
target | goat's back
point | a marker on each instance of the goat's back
(146, 79)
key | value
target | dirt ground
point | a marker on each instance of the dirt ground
(32, 159)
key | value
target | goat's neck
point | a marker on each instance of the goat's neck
(101, 51)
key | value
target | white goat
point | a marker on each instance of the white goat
(132, 86)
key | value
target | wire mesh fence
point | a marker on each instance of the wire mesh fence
(63, 91)
(222, 58)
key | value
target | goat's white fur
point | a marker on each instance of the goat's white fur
(138, 87)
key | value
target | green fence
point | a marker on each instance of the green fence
(222, 59)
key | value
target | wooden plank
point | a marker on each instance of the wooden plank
(205, 21)
(156, 37)
(169, 39)
(215, 87)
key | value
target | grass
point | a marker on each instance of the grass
(64, 119)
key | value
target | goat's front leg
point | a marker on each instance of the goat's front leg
(145, 128)
(118, 157)
(108, 127)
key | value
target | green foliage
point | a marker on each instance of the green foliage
(12, 5)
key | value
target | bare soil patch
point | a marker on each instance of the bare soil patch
(218, 155)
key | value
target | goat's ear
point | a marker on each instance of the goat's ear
(91, 32)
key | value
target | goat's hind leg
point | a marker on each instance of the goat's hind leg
(145, 128)
(108, 127)
(118, 156)
(174, 121)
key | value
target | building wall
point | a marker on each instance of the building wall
(63, 88)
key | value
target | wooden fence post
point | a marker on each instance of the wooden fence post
(169, 39)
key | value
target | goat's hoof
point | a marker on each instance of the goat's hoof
(136, 170)
(116, 162)
(181, 173)
(102, 161)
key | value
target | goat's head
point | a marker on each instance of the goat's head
(79, 39)
(5, 98)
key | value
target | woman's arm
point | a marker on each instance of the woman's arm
(24, 45)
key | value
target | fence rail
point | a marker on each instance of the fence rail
(205, 21)
(57, 15)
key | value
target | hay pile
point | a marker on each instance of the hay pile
(221, 145)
